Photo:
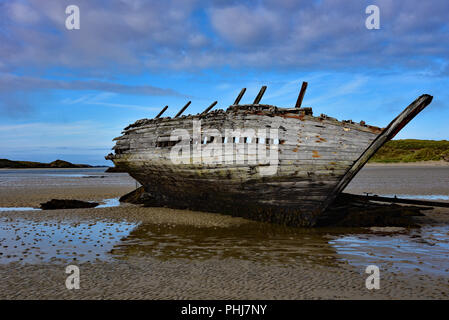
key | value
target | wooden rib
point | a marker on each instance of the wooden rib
(210, 107)
(301, 95)
(183, 109)
(239, 97)
(162, 111)
(260, 95)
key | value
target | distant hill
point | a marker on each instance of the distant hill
(411, 150)
(5, 163)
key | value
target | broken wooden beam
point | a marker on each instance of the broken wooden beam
(301, 95)
(162, 111)
(399, 200)
(260, 95)
(239, 97)
(210, 107)
(183, 109)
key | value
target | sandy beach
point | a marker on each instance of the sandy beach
(426, 164)
(130, 252)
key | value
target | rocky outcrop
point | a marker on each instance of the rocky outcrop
(67, 204)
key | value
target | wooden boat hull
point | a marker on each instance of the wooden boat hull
(316, 157)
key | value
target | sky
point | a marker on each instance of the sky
(65, 94)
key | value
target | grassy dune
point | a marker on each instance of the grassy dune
(411, 150)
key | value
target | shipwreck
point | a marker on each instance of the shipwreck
(311, 158)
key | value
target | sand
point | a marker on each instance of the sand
(146, 278)
(212, 277)
(28, 191)
(401, 180)
(179, 254)
(439, 163)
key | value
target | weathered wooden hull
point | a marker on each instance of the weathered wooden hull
(315, 160)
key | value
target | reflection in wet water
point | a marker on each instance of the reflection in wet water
(425, 249)
(108, 203)
(18, 209)
(251, 242)
(24, 240)
(30, 241)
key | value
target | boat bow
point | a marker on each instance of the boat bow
(387, 134)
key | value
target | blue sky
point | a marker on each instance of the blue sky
(67, 93)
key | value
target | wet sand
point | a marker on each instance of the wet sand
(30, 187)
(129, 252)
(426, 164)
(401, 180)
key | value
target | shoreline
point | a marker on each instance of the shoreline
(440, 163)
(41, 168)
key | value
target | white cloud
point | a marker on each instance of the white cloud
(246, 26)
(21, 13)
(171, 35)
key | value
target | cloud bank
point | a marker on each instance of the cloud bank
(136, 36)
